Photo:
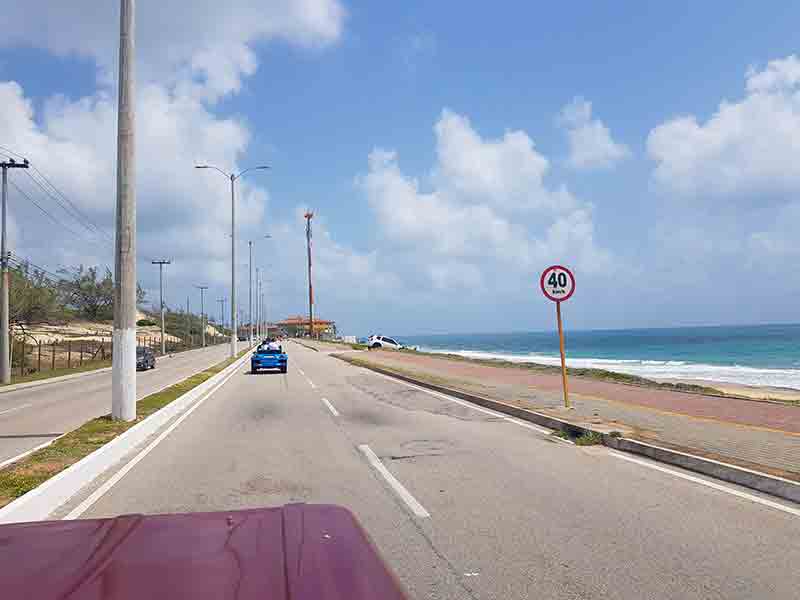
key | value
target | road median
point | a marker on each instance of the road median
(33, 487)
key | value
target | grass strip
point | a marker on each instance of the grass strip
(33, 470)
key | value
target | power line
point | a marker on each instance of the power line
(58, 195)
(53, 218)
(79, 218)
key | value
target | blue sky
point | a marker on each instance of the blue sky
(450, 152)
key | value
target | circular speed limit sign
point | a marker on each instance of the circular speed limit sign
(558, 283)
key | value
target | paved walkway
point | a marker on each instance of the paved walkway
(757, 435)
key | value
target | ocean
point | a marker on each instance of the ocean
(756, 355)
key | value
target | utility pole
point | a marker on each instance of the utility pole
(222, 302)
(5, 344)
(123, 372)
(250, 243)
(258, 306)
(308, 216)
(202, 289)
(188, 325)
(161, 264)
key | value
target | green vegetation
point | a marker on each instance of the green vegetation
(145, 323)
(590, 438)
(33, 470)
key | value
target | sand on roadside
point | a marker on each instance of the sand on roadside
(746, 391)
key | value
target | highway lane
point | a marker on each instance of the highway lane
(506, 510)
(32, 416)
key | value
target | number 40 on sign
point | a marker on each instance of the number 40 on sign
(558, 285)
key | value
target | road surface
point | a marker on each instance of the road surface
(32, 416)
(463, 503)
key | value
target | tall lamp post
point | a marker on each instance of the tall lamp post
(233, 177)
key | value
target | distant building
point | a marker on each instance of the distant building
(298, 327)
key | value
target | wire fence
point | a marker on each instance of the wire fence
(34, 356)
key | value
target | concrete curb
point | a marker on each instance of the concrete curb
(769, 484)
(51, 380)
(39, 503)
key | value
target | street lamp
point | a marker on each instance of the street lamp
(233, 177)
(250, 246)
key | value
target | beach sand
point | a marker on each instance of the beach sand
(745, 391)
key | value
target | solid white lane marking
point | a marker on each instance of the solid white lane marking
(10, 410)
(331, 407)
(299, 370)
(711, 484)
(466, 404)
(311, 383)
(100, 492)
(398, 487)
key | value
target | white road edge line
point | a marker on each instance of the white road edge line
(3, 412)
(711, 484)
(466, 404)
(398, 487)
(331, 407)
(100, 492)
(716, 486)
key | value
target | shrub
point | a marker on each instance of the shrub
(145, 323)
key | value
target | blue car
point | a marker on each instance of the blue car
(268, 356)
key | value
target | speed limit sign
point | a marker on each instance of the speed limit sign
(557, 283)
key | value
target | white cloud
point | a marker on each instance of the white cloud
(488, 216)
(746, 147)
(202, 45)
(590, 142)
(182, 213)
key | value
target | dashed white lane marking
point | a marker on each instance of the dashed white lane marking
(311, 383)
(398, 487)
(331, 407)
(10, 410)
(299, 370)
(705, 482)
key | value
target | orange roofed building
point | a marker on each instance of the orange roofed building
(298, 327)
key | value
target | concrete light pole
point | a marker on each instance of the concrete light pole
(123, 372)
(203, 325)
(233, 177)
(5, 344)
(161, 264)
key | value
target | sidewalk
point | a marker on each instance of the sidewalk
(757, 435)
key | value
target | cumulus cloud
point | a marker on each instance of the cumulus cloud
(182, 213)
(204, 46)
(590, 142)
(746, 147)
(487, 210)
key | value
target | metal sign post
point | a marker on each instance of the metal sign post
(558, 285)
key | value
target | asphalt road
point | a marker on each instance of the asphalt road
(32, 416)
(497, 509)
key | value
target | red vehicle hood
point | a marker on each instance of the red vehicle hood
(297, 552)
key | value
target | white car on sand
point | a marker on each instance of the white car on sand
(381, 341)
